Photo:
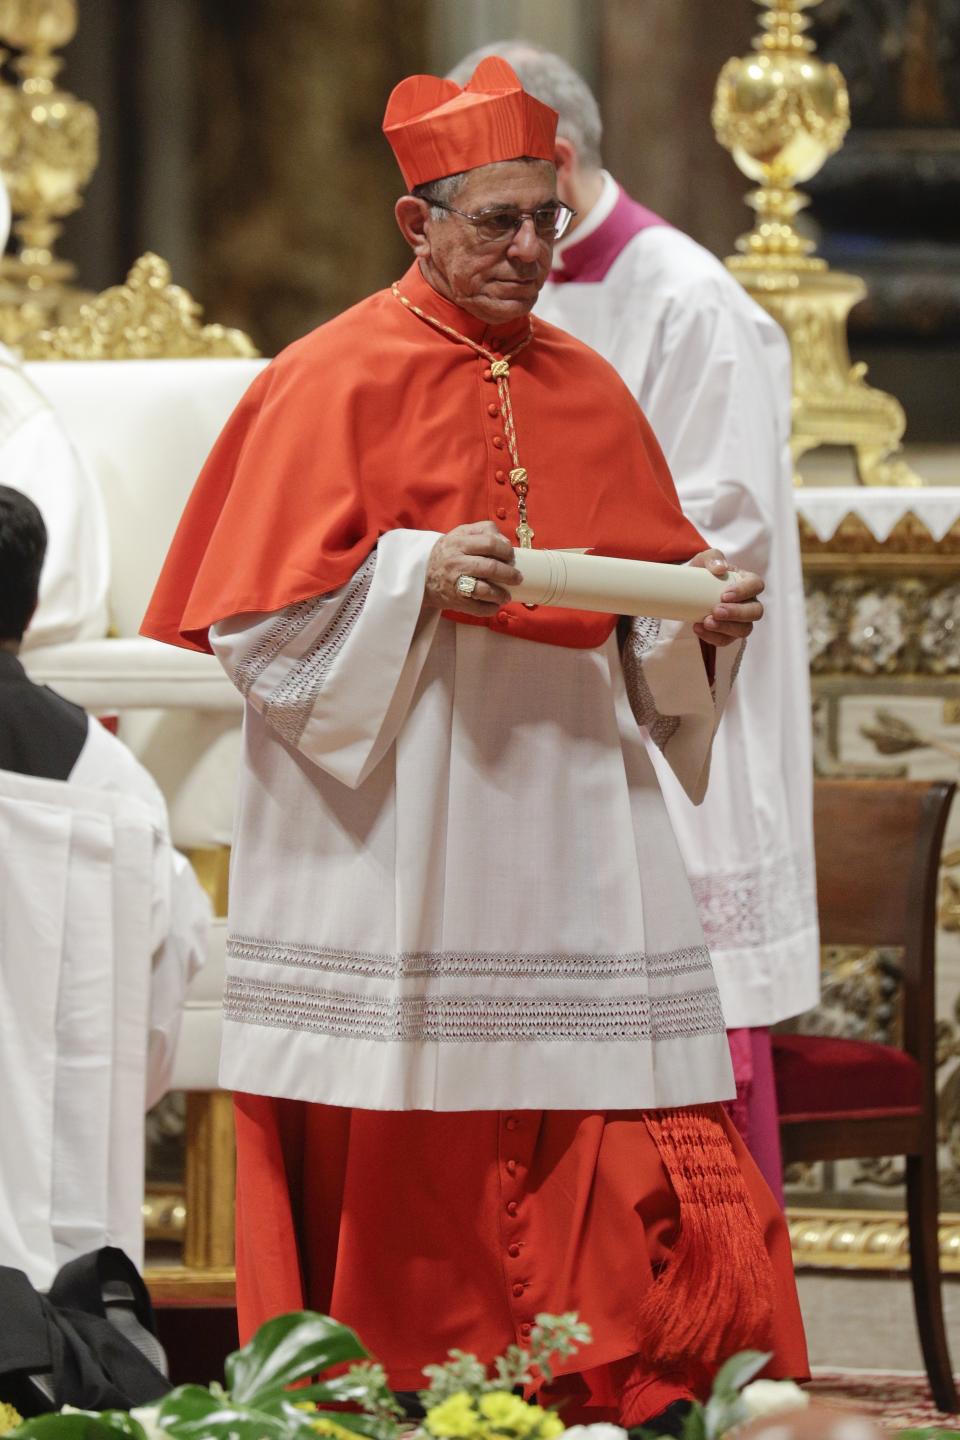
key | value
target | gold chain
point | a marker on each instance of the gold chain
(500, 370)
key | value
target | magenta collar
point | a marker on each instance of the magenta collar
(589, 259)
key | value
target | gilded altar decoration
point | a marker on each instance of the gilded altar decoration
(147, 318)
(863, 1240)
(882, 580)
(781, 112)
(49, 156)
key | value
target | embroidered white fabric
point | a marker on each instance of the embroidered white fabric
(454, 884)
(641, 638)
(935, 506)
(757, 906)
(711, 371)
(691, 960)
(454, 1019)
(681, 732)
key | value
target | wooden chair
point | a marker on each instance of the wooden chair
(878, 846)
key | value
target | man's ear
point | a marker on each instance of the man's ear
(413, 216)
(565, 159)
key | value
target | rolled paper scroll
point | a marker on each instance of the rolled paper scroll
(577, 581)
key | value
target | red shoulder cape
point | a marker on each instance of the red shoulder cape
(376, 421)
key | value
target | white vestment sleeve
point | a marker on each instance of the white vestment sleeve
(39, 460)
(672, 698)
(178, 957)
(334, 675)
(720, 407)
(179, 908)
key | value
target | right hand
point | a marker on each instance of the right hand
(479, 550)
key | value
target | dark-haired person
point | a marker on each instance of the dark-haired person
(37, 456)
(43, 734)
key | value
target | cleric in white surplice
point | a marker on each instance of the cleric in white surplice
(711, 371)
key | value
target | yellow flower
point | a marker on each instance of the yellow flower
(454, 1419)
(508, 1412)
(9, 1418)
(550, 1426)
(331, 1428)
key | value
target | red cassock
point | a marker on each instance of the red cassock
(427, 1230)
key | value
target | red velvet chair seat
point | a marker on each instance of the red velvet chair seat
(820, 1075)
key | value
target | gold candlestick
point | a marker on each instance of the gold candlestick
(781, 112)
(50, 159)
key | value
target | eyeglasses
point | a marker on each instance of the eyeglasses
(549, 221)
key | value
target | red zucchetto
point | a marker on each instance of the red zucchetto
(437, 129)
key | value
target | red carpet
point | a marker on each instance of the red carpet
(897, 1400)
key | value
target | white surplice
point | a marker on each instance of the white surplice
(179, 907)
(711, 371)
(77, 900)
(454, 885)
(37, 458)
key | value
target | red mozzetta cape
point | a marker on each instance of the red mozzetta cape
(377, 421)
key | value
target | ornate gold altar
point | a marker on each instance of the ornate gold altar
(882, 574)
(781, 112)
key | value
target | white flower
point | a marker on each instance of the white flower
(770, 1397)
(594, 1432)
(147, 1416)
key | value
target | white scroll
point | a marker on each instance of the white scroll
(578, 581)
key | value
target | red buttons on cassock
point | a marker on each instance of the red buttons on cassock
(500, 477)
(513, 1251)
(512, 1207)
(492, 410)
(498, 442)
(511, 1164)
(518, 1291)
(488, 373)
(501, 512)
(525, 1328)
(512, 1122)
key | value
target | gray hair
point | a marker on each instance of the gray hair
(447, 188)
(549, 78)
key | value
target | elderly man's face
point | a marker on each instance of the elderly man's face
(495, 280)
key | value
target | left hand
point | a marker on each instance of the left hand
(739, 609)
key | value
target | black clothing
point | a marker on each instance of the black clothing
(70, 1347)
(40, 733)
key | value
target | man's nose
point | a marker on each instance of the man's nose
(526, 242)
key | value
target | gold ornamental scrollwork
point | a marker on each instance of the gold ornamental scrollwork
(863, 1240)
(782, 112)
(50, 153)
(147, 318)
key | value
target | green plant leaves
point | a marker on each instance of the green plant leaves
(81, 1425)
(739, 1370)
(287, 1349)
(192, 1411)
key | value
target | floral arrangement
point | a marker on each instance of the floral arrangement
(278, 1388)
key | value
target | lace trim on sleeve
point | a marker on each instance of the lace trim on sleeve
(288, 706)
(284, 628)
(641, 639)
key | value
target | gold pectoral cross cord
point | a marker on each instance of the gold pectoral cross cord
(500, 370)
